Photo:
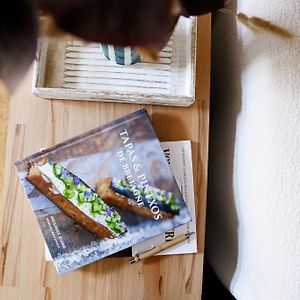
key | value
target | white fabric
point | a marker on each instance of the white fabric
(253, 218)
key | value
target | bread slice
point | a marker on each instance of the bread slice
(49, 186)
(112, 197)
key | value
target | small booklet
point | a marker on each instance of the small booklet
(102, 192)
(179, 156)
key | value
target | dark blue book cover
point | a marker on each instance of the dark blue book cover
(102, 192)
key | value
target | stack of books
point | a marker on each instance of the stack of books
(113, 191)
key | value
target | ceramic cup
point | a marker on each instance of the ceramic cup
(120, 55)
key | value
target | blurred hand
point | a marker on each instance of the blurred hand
(139, 23)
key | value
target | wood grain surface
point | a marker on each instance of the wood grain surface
(35, 123)
(4, 106)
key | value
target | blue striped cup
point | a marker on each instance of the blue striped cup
(120, 55)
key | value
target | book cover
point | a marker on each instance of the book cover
(102, 192)
(179, 157)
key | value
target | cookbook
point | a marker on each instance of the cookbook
(179, 157)
(102, 192)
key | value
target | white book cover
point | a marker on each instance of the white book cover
(179, 156)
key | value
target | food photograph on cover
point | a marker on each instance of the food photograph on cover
(102, 192)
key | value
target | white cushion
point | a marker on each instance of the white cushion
(253, 217)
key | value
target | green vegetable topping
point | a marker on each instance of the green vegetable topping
(81, 198)
(97, 206)
(57, 170)
(69, 194)
(81, 187)
(75, 188)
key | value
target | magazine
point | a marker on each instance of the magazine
(179, 156)
(102, 192)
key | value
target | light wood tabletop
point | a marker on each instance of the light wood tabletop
(35, 123)
(4, 106)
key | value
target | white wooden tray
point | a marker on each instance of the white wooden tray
(78, 71)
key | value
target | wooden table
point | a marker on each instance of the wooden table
(35, 123)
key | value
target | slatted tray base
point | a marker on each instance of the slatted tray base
(79, 71)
